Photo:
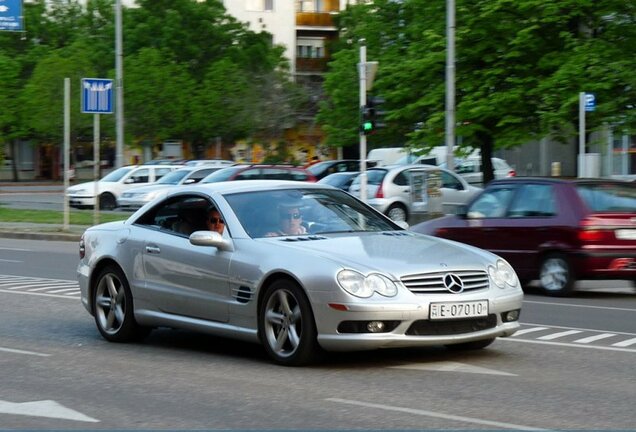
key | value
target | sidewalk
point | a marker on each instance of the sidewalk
(34, 231)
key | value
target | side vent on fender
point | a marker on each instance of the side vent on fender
(243, 294)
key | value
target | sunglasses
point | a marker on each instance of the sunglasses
(290, 216)
(215, 221)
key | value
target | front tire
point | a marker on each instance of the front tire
(113, 307)
(286, 324)
(107, 201)
(555, 275)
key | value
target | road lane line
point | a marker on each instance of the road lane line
(578, 305)
(17, 351)
(625, 343)
(16, 249)
(595, 338)
(40, 294)
(559, 335)
(10, 261)
(529, 330)
(571, 345)
(434, 414)
(76, 289)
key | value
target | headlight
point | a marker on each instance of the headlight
(503, 274)
(360, 286)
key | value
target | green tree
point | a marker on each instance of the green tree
(519, 67)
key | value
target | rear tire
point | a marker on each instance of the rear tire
(286, 324)
(555, 275)
(113, 307)
(397, 213)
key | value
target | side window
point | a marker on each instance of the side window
(297, 175)
(533, 200)
(450, 182)
(249, 174)
(275, 174)
(402, 179)
(181, 215)
(140, 176)
(197, 176)
(160, 172)
(492, 203)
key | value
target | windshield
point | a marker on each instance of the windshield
(221, 175)
(318, 168)
(317, 211)
(116, 175)
(609, 197)
(174, 177)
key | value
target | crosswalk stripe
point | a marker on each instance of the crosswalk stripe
(559, 335)
(595, 338)
(529, 330)
(625, 343)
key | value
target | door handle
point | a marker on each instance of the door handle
(153, 249)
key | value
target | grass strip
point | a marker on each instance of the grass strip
(76, 217)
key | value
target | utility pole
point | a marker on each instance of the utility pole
(119, 88)
(450, 83)
(362, 70)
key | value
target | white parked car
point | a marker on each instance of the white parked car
(470, 169)
(138, 197)
(110, 187)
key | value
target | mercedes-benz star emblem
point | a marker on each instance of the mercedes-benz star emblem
(453, 283)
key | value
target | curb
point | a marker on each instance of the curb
(72, 237)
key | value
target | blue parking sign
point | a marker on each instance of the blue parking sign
(11, 15)
(590, 102)
(97, 96)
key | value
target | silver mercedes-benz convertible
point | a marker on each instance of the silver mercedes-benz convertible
(298, 267)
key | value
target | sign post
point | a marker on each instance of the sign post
(97, 98)
(11, 15)
(587, 103)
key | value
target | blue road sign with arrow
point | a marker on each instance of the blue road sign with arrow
(590, 102)
(11, 15)
(97, 96)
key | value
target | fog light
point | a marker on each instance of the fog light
(375, 326)
(509, 316)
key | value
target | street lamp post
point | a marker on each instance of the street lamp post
(450, 83)
(119, 88)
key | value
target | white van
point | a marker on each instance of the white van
(386, 156)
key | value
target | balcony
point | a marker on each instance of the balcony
(315, 19)
(311, 65)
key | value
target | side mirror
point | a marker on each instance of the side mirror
(129, 180)
(210, 238)
(189, 181)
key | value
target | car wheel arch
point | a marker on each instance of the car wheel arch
(270, 279)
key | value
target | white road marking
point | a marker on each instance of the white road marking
(434, 414)
(12, 261)
(559, 335)
(64, 296)
(64, 290)
(563, 344)
(529, 330)
(44, 408)
(579, 305)
(17, 351)
(41, 286)
(575, 328)
(16, 249)
(449, 366)
(595, 338)
(625, 343)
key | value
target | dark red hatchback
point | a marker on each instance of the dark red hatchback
(553, 230)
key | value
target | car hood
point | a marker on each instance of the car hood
(401, 252)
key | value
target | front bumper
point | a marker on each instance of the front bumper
(81, 200)
(412, 327)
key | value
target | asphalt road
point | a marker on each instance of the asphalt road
(570, 367)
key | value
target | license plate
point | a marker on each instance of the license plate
(625, 234)
(458, 310)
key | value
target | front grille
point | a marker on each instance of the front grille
(451, 327)
(433, 283)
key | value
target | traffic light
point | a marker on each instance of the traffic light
(372, 115)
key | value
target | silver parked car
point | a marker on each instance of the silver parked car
(136, 198)
(389, 189)
(354, 280)
(470, 169)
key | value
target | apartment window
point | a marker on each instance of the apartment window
(259, 5)
(310, 48)
(309, 5)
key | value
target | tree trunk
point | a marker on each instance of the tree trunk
(14, 161)
(486, 158)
